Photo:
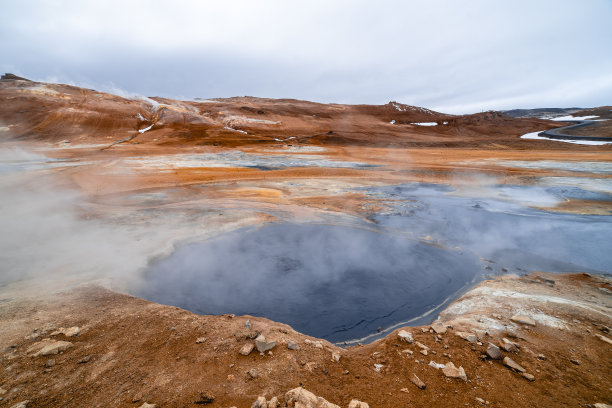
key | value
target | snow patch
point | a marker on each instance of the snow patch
(235, 130)
(392, 122)
(145, 129)
(425, 123)
(535, 136)
(570, 117)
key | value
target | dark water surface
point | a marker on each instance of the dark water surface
(342, 283)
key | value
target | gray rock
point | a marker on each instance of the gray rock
(508, 362)
(405, 336)
(507, 345)
(246, 349)
(72, 331)
(417, 381)
(471, 337)
(253, 373)
(522, 319)
(247, 325)
(451, 371)
(263, 345)
(439, 327)
(50, 362)
(292, 345)
(260, 402)
(85, 359)
(200, 340)
(493, 352)
(52, 347)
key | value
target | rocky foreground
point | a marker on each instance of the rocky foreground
(539, 340)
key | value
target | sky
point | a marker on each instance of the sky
(452, 56)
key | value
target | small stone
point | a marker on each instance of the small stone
(601, 405)
(206, 397)
(493, 352)
(147, 405)
(407, 351)
(541, 357)
(72, 331)
(405, 336)
(358, 404)
(439, 327)
(200, 340)
(508, 362)
(50, 362)
(507, 345)
(528, 376)
(574, 361)
(521, 319)
(260, 402)
(480, 400)
(263, 345)
(273, 403)
(246, 349)
(421, 345)
(511, 333)
(451, 371)
(336, 357)
(299, 397)
(292, 345)
(405, 390)
(53, 347)
(603, 338)
(22, 404)
(471, 337)
(253, 373)
(378, 367)
(84, 360)
(417, 381)
(247, 325)
(423, 352)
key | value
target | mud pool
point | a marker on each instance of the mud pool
(344, 283)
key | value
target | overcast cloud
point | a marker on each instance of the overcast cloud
(453, 56)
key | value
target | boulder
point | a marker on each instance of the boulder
(246, 349)
(263, 345)
(439, 327)
(451, 371)
(493, 352)
(72, 331)
(405, 336)
(522, 319)
(292, 345)
(508, 362)
(260, 402)
(301, 398)
(508, 346)
(417, 381)
(471, 337)
(52, 347)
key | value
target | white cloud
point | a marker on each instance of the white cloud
(469, 55)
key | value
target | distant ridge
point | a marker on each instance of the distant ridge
(12, 77)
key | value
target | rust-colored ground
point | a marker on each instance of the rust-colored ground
(147, 352)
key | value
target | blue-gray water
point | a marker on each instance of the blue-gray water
(342, 283)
